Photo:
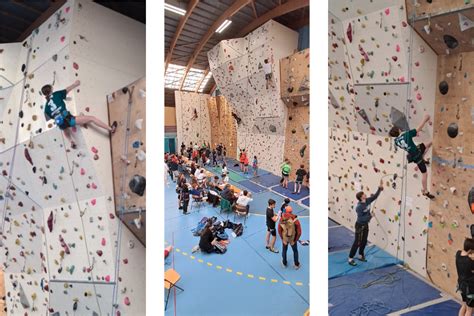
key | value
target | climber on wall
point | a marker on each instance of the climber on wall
(415, 153)
(364, 215)
(267, 68)
(55, 108)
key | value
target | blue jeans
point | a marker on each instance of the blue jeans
(294, 247)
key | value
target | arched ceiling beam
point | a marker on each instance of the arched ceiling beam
(200, 81)
(182, 22)
(283, 9)
(233, 9)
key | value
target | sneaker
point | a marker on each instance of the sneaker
(195, 249)
(362, 258)
(267, 247)
(282, 264)
(429, 195)
(352, 262)
(297, 266)
(273, 250)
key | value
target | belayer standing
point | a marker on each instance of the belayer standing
(362, 224)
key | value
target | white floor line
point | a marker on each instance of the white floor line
(334, 226)
(420, 306)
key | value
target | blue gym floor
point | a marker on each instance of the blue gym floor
(246, 280)
(379, 286)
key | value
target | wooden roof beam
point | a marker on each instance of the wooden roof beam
(55, 6)
(233, 9)
(182, 22)
(25, 6)
(202, 79)
(280, 10)
(254, 9)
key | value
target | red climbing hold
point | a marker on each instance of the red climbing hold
(349, 32)
(50, 221)
(28, 157)
(75, 66)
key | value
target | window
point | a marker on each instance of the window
(175, 73)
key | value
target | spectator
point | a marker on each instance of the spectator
(289, 230)
(272, 218)
(244, 199)
(300, 174)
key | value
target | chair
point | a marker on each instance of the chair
(241, 211)
(171, 278)
(225, 206)
(197, 200)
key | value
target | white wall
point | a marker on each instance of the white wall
(196, 130)
(360, 155)
(105, 51)
(236, 65)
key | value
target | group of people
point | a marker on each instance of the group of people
(244, 163)
(289, 230)
(204, 153)
(300, 176)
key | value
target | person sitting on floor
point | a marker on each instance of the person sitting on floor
(208, 242)
(244, 200)
(465, 268)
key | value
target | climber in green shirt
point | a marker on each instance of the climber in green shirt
(55, 108)
(415, 153)
(285, 173)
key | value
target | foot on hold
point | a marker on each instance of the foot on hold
(362, 258)
(352, 262)
(113, 127)
(273, 250)
(429, 195)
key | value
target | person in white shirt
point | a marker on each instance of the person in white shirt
(225, 178)
(244, 199)
(201, 177)
(267, 68)
(197, 172)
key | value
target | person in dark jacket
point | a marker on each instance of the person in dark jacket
(289, 229)
(362, 224)
(465, 268)
(207, 242)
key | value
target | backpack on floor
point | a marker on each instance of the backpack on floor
(200, 227)
(222, 235)
(288, 230)
(221, 248)
(238, 229)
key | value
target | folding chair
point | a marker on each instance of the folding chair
(171, 278)
(197, 200)
(241, 211)
(226, 206)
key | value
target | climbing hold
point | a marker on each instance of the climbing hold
(443, 87)
(126, 301)
(272, 128)
(450, 41)
(75, 66)
(470, 199)
(302, 150)
(28, 157)
(290, 89)
(293, 131)
(349, 32)
(137, 185)
(50, 221)
(139, 124)
(141, 155)
(453, 130)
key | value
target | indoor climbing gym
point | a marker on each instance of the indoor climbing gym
(401, 157)
(236, 181)
(72, 158)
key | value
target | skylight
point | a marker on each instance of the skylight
(175, 73)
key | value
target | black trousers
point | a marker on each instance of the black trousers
(361, 234)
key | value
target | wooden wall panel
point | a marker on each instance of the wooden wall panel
(118, 111)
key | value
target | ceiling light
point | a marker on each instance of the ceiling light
(174, 9)
(223, 26)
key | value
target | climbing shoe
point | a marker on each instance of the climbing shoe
(362, 258)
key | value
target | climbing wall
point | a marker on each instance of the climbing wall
(237, 67)
(453, 168)
(294, 74)
(192, 117)
(297, 136)
(340, 86)
(381, 73)
(129, 154)
(425, 8)
(223, 126)
(58, 228)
